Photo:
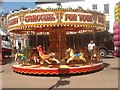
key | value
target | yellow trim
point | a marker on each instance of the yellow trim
(63, 24)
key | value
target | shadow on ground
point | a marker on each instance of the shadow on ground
(116, 68)
(61, 82)
(1, 71)
(105, 65)
(109, 57)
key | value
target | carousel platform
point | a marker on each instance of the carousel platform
(57, 69)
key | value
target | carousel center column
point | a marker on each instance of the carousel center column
(57, 40)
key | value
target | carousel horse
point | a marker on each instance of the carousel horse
(78, 56)
(33, 56)
(46, 57)
(20, 57)
(68, 54)
(95, 56)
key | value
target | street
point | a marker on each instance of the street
(106, 78)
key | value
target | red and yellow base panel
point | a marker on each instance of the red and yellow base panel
(57, 69)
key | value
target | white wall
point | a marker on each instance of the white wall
(100, 7)
(87, 4)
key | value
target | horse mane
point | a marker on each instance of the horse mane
(69, 52)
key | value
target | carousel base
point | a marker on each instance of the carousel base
(57, 69)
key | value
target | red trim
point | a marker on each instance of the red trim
(56, 71)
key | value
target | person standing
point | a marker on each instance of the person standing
(19, 49)
(14, 53)
(91, 45)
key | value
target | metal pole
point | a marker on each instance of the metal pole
(73, 41)
(36, 39)
(59, 47)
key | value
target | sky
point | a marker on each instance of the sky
(10, 6)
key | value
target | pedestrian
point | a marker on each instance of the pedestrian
(14, 51)
(91, 46)
(19, 49)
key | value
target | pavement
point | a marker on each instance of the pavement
(106, 78)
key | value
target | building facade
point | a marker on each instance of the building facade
(15, 38)
(3, 21)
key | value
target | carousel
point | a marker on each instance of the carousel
(53, 45)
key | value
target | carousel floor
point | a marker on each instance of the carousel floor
(57, 69)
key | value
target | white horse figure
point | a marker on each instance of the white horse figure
(78, 56)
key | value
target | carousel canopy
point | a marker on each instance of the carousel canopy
(49, 19)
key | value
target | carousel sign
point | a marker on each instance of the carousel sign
(13, 21)
(51, 17)
(39, 18)
(82, 18)
(47, 17)
(34, 18)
